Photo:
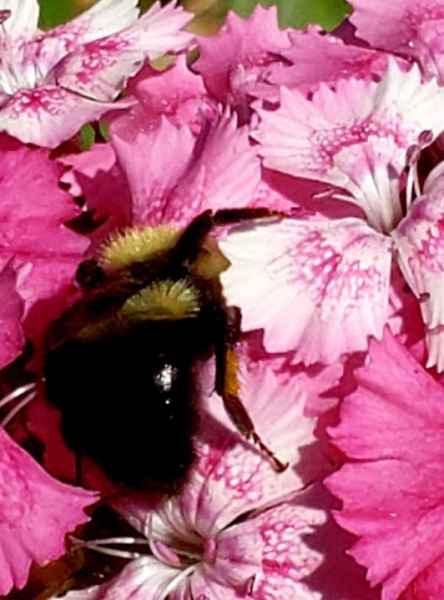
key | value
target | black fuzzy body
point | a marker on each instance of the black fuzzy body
(128, 401)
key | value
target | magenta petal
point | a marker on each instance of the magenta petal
(177, 93)
(318, 58)
(33, 210)
(47, 116)
(392, 430)
(11, 311)
(241, 45)
(144, 158)
(224, 175)
(36, 512)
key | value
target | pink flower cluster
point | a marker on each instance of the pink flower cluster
(342, 298)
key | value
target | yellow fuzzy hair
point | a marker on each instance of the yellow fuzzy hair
(137, 244)
(163, 299)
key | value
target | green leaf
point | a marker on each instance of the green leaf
(87, 137)
(298, 13)
(54, 12)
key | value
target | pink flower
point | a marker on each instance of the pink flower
(219, 169)
(52, 83)
(235, 63)
(11, 312)
(333, 273)
(391, 431)
(36, 512)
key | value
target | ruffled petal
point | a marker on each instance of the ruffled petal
(36, 512)
(103, 18)
(331, 276)
(240, 53)
(177, 93)
(355, 137)
(33, 210)
(264, 558)
(419, 239)
(225, 174)
(12, 338)
(218, 170)
(392, 431)
(408, 27)
(142, 158)
(316, 57)
(47, 116)
(100, 68)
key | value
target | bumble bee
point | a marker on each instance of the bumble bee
(121, 363)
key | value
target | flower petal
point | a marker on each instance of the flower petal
(355, 137)
(315, 57)
(36, 512)
(100, 68)
(12, 338)
(218, 170)
(33, 210)
(176, 92)
(49, 115)
(419, 239)
(23, 19)
(409, 27)
(264, 557)
(242, 49)
(316, 286)
(103, 18)
(143, 159)
(392, 431)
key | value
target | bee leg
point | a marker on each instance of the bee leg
(193, 236)
(227, 385)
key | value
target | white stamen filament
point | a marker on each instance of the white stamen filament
(99, 546)
(17, 409)
(176, 580)
(20, 391)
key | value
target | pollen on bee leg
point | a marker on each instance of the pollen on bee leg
(136, 244)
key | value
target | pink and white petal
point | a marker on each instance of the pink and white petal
(103, 18)
(392, 430)
(429, 585)
(267, 554)
(48, 116)
(224, 175)
(355, 137)
(100, 68)
(142, 579)
(316, 58)
(333, 276)
(231, 476)
(36, 512)
(22, 23)
(12, 338)
(241, 43)
(143, 158)
(419, 239)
